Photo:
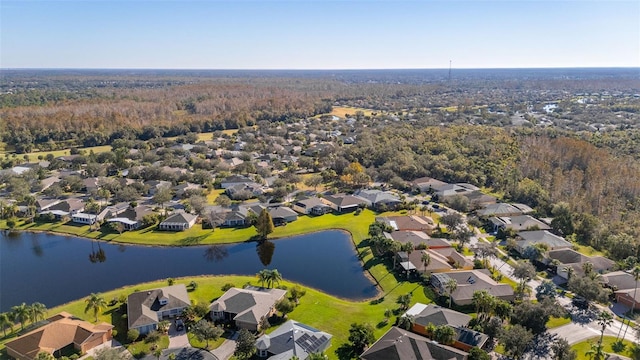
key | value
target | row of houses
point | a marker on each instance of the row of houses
(245, 308)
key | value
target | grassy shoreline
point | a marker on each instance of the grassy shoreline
(356, 225)
(316, 308)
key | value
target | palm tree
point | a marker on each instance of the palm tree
(96, 303)
(484, 303)
(426, 260)
(594, 352)
(394, 247)
(406, 322)
(20, 313)
(37, 311)
(636, 276)
(444, 334)
(587, 267)
(570, 271)
(274, 277)
(451, 285)
(604, 319)
(263, 276)
(5, 322)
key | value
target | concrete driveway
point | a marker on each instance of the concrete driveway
(225, 351)
(177, 339)
(188, 353)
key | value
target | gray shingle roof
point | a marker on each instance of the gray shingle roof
(398, 344)
(143, 306)
(294, 339)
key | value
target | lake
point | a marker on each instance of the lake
(54, 269)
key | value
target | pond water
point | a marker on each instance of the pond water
(54, 269)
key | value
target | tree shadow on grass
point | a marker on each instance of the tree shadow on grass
(192, 240)
(346, 352)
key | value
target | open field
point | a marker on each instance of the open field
(342, 111)
(33, 156)
(357, 225)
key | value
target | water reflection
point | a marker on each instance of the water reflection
(265, 251)
(98, 256)
(36, 247)
(216, 253)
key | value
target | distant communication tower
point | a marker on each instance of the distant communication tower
(449, 70)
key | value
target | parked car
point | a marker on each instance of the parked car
(179, 324)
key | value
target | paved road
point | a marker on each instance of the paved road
(581, 328)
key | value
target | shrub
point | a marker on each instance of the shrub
(152, 337)
(227, 286)
(358, 211)
(132, 335)
(114, 332)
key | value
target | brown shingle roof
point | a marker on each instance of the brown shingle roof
(62, 330)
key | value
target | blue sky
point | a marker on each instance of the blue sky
(357, 34)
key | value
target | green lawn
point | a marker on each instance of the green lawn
(316, 309)
(141, 348)
(582, 347)
(357, 225)
(587, 250)
(555, 322)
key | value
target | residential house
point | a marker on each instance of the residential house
(182, 190)
(311, 206)
(43, 204)
(379, 200)
(424, 315)
(417, 238)
(425, 184)
(525, 239)
(619, 280)
(252, 188)
(470, 281)
(61, 331)
(478, 199)
(409, 223)
(564, 258)
(441, 260)
(234, 180)
(282, 214)
(344, 203)
(91, 184)
(145, 309)
(131, 218)
(246, 307)
(84, 218)
(292, 339)
(113, 211)
(518, 223)
(178, 221)
(233, 162)
(400, 344)
(155, 185)
(449, 190)
(498, 210)
(626, 298)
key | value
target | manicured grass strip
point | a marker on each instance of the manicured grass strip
(555, 322)
(316, 309)
(357, 225)
(582, 347)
